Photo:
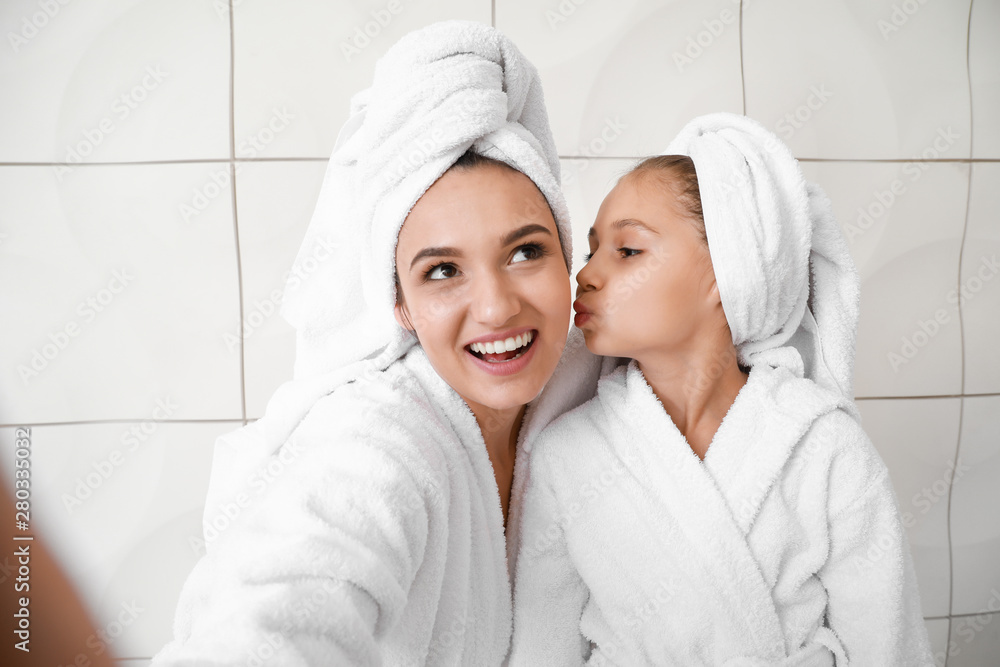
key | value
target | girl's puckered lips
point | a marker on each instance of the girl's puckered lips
(582, 313)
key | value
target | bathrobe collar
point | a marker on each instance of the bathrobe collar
(716, 500)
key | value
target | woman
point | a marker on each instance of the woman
(362, 521)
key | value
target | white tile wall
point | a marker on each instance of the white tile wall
(148, 98)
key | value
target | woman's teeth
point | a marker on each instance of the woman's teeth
(499, 346)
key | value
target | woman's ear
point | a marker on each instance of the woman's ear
(402, 318)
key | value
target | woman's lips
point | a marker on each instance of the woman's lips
(582, 314)
(496, 364)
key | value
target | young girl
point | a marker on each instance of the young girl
(717, 503)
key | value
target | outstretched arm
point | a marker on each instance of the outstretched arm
(316, 570)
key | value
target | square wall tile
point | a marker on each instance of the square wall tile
(984, 73)
(298, 63)
(975, 531)
(119, 505)
(903, 223)
(937, 630)
(979, 292)
(586, 182)
(917, 439)
(114, 80)
(975, 640)
(118, 296)
(275, 201)
(621, 79)
(859, 79)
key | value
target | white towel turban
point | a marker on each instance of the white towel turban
(787, 282)
(437, 92)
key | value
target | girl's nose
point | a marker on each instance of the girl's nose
(588, 278)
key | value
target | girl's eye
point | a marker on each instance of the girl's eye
(628, 252)
(587, 257)
(440, 272)
(528, 252)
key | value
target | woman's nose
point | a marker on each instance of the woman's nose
(494, 301)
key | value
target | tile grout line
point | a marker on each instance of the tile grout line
(493, 13)
(292, 158)
(961, 335)
(923, 397)
(236, 222)
(97, 422)
(743, 81)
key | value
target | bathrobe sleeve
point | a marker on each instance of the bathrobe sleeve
(873, 602)
(549, 595)
(320, 564)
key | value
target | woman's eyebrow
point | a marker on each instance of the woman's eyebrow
(436, 251)
(527, 230)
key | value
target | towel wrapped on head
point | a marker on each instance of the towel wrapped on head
(787, 282)
(436, 93)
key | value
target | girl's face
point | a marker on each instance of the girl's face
(484, 286)
(648, 286)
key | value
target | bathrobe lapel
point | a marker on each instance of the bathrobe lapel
(714, 502)
(748, 453)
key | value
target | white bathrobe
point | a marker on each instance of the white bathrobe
(378, 541)
(783, 547)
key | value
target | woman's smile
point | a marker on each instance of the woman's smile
(504, 353)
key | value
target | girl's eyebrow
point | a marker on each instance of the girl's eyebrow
(629, 222)
(623, 223)
(436, 251)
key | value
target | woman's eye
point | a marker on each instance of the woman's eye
(527, 252)
(628, 252)
(441, 271)
(588, 256)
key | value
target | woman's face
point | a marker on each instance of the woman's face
(648, 286)
(484, 286)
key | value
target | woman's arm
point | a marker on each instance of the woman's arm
(549, 595)
(317, 570)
